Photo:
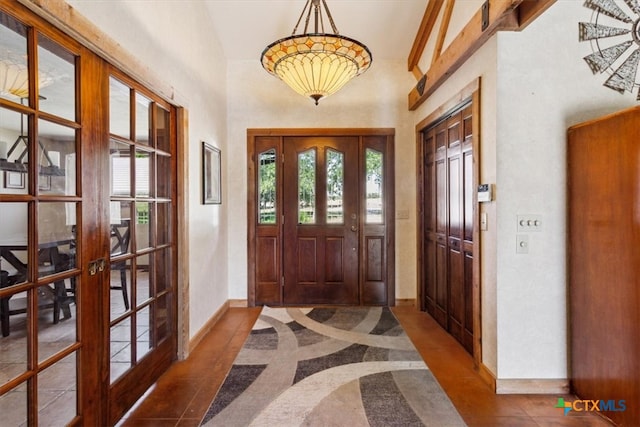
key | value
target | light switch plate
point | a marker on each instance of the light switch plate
(522, 243)
(529, 223)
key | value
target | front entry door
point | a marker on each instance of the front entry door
(321, 217)
(321, 220)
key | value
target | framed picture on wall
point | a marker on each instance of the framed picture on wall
(14, 180)
(211, 175)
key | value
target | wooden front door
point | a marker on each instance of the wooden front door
(321, 222)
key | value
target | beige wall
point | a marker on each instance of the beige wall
(534, 85)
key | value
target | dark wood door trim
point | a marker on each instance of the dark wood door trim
(266, 287)
(470, 93)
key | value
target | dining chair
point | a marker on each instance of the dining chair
(14, 304)
(120, 238)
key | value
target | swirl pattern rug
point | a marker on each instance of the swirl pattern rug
(351, 366)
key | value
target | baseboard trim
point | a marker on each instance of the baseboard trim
(406, 301)
(238, 303)
(197, 338)
(487, 376)
(532, 386)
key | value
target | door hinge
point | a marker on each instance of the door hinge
(282, 282)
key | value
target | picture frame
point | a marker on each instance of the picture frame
(211, 175)
(14, 180)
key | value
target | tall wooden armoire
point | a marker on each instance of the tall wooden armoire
(604, 263)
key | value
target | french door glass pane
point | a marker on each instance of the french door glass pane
(307, 187)
(54, 335)
(375, 184)
(163, 130)
(13, 356)
(267, 187)
(144, 284)
(163, 223)
(144, 215)
(14, 262)
(120, 348)
(56, 239)
(120, 156)
(56, 79)
(335, 187)
(14, 156)
(119, 108)
(163, 187)
(13, 52)
(56, 159)
(57, 393)
(162, 270)
(143, 111)
(143, 332)
(13, 406)
(143, 174)
(120, 288)
(163, 314)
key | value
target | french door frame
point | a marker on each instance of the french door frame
(269, 290)
(95, 57)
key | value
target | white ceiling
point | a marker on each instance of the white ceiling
(386, 27)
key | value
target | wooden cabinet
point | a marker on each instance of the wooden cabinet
(604, 262)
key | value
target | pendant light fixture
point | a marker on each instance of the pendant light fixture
(316, 64)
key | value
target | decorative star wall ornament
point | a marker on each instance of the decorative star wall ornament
(614, 33)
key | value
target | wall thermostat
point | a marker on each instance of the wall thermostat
(484, 193)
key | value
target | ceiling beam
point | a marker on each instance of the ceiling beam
(424, 32)
(502, 15)
(442, 32)
(529, 10)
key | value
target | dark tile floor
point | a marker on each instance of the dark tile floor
(183, 394)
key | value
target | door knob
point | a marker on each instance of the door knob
(354, 228)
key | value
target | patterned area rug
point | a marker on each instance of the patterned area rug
(350, 366)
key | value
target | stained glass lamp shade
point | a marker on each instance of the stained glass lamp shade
(316, 64)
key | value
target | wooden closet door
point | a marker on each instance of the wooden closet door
(449, 223)
(441, 226)
(455, 190)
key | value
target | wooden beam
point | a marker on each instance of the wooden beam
(417, 72)
(424, 32)
(442, 31)
(529, 10)
(502, 16)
